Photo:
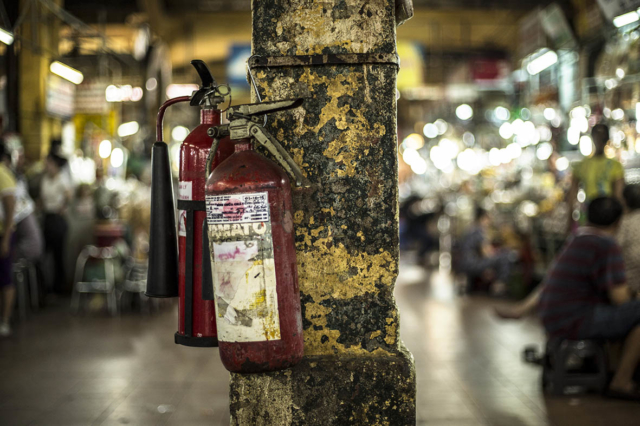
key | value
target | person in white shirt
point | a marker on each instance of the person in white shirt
(55, 195)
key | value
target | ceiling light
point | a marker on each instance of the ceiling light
(117, 157)
(562, 164)
(6, 37)
(128, 129)
(542, 62)
(464, 112)
(586, 145)
(66, 72)
(179, 133)
(506, 131)
(544, 151)
(175, 90)
(549, 113)
(430, 130)
(104, 150)
(626, 19)
(501, 113)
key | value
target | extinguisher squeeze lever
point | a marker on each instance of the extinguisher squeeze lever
(283, 157)
(243, 123)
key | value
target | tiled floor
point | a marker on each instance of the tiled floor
(65, 370)
(469, 367)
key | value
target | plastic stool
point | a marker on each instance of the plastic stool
(135, 284)
(104, 285)
(562, 355)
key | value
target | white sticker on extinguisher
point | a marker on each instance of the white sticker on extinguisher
(185, 192)
(182, 223)
(244, 274)
(238, 208)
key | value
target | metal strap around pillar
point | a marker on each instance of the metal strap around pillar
(257, 61)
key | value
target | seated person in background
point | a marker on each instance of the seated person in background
(479, 260)
(585, 294)
(629, 236)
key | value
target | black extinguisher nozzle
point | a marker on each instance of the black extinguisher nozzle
(162, 275)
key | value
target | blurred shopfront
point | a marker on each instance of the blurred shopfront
(501, 128)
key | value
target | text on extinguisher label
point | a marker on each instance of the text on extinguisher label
(243, 267)
(238, 208)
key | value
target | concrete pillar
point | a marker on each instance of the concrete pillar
(40, 34)
(356, 370)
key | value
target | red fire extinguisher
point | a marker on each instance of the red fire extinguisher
(252, 246)
(196, 324)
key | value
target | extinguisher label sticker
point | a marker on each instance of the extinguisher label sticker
(238, 208)
(182, 223)
(244, 274)
(185, 190)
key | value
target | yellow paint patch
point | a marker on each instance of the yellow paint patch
(317, 28)
(329, 211)
(317, 231)
(326, 271)
(357, 130)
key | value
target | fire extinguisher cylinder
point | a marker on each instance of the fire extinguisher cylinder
(252, 246)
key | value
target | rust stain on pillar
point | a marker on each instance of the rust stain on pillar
(344, 139)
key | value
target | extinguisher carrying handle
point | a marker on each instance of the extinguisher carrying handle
(210, 93)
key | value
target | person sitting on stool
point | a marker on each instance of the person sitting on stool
(478, 260)
(585, 294)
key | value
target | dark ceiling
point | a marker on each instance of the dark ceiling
(115, 11)
(179, 6)
(481, 4)
(245, 5)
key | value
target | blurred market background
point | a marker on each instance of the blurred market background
(496, 100)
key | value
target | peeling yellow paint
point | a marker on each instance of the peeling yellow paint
(357, 133)
(357, 130)
(317, 28)
(330, 210)
(298, 157)
(317, 231)
(327, 270)
(324, 271)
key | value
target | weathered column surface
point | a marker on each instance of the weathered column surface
(356, 370)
